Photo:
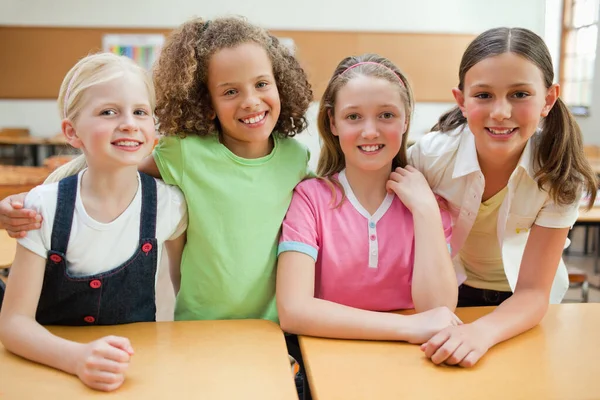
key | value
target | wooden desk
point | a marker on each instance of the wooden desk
(8, 247)
(556, 360)
(34, 143)
(205, 360)
(17, 179)
(57, 140)
(595, 164)
(591, 216)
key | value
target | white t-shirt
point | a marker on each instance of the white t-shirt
(96, 247)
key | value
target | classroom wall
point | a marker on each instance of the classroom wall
(458, 16)
(445, 16)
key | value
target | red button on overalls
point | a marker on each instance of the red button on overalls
(56, 258)
(373, 237)
(146, 247)
(95, 284)
(89, 319)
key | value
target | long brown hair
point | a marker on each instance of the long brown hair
(331, 157)
(562, 167)
(183, 105)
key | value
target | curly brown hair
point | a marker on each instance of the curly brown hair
(183, 104)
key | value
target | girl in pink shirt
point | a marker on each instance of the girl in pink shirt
(368, 235)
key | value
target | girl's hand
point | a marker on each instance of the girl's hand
(460, 345)
(16, 219)
(102, 363)
(428, 323)
(412, 188)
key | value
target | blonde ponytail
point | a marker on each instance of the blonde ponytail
(68, 169)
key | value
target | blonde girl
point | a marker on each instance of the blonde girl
(94, 260)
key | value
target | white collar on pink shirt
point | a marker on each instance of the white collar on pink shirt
(385, 204)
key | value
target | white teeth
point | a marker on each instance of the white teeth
(127, 143)
(370, 148)
(501, 131)
(254, 120)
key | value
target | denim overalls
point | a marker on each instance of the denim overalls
(122, 295)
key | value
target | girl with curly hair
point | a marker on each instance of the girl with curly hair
(229, 97)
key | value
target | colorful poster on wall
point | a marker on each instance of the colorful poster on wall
(289, 43)
(143, 49)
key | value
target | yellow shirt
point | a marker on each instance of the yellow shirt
(481, 254)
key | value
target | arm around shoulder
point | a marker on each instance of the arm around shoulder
(15, 218)
(149, 167)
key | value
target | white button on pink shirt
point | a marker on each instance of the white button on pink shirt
(361, 260)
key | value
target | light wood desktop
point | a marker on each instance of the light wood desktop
(18, 179)
(591, 216)
(243, 359)
(595, 164)
(34, 143)
(556, 360)
(58, 140)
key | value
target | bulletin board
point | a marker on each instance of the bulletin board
(34, 60)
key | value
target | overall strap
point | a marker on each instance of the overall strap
(63, 218)
(149, 206)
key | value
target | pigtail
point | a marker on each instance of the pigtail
(71, 168)
(450, 121)
(563, 167)
(177, 74)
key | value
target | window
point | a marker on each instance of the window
(578, 53)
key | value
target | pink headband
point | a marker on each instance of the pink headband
(68, 92)
(374, 63)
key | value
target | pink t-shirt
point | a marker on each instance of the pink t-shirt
(361, 260)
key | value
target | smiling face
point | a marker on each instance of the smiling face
(504, 99)
(115, 126)
(369, 120)
(245, 98)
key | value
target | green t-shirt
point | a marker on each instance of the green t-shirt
(235, 207)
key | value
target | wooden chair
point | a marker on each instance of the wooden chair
(591, 151)
(17, 153)
(14, 132)
(578, 278)
(16, 179)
